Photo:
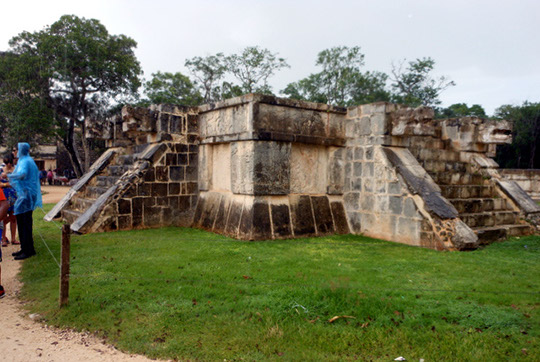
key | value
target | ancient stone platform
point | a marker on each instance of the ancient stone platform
(259, 167)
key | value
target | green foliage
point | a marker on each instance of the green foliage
(24, 113)
(253, 67)
(172, 88)
(414, 86)
(523, 152)
(208, 71)
(341, 81)
(81, 69)
(188, 294)
(460, 110)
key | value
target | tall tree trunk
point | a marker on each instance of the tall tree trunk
(69, 143)
(86, 148)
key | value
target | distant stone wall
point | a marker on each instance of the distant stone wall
(529, 180)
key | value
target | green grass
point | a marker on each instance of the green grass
(187, 294)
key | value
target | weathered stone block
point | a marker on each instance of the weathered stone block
(340, 218)
(162, 174)
(174, 188)
(137, 204)
(271, 168)
(152, 215)
(281, 220)
(352, 201)
(222, 214)
(124, 222)
(211, 206)
(394, 188)
(357, 169)
(356, 184)
(395, 204)
(409, 208)
(323, 214)
(355, 219)
(359, 153)
(176, 173)
(144, 189)
(235, 213)
(124, 206)
(159, 189)
(366, 202)
(191, 173)
(302, 215)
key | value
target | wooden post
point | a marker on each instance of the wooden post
(64, 266)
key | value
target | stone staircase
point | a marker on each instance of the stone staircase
(480, 205)
(98, 186)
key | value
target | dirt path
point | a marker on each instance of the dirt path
(23, 338)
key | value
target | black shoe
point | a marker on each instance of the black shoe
(16, 253)
(23, 256)
(2, 292)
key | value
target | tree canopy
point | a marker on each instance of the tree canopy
(340, 81)
(413, 84)
(172, 88)
(82, 68)
(522, 153)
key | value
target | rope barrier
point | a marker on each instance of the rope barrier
(47, 246)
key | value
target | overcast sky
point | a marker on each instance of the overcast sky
(491, 49)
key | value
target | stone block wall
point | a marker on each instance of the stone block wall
(259, 167)
(271, 168)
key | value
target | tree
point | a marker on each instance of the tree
(461, 110)
(24, 115)
(526, 135)
(253, 67)
(85, 68)
(172, 88)
(341, 81)
(208, 71)
(414, 86)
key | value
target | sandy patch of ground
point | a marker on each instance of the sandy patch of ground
(23, 338)
(53, 194)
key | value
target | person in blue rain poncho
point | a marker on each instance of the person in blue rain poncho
(25, 180)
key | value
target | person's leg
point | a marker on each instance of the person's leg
(13, 228)
(4, 232)
(24, 224)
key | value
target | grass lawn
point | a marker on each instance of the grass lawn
(187, 294)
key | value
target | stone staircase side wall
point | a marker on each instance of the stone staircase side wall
(160, 189)
(101, 163)
(387, 193)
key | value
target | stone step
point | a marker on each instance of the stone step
(480, 205)
(81, 204)
(106, 181)
(457, 178)
(493, 218)
(93, 192)
(70, 216)
(468, 191)
(442, 166)
(117, 170)
(125, 160)
(487, 235)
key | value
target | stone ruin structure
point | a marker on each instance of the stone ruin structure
(258, 167)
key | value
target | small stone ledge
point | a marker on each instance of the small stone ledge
(266, 99)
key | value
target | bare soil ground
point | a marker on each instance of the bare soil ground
(24, 338)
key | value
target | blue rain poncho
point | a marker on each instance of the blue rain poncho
(25, 180)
